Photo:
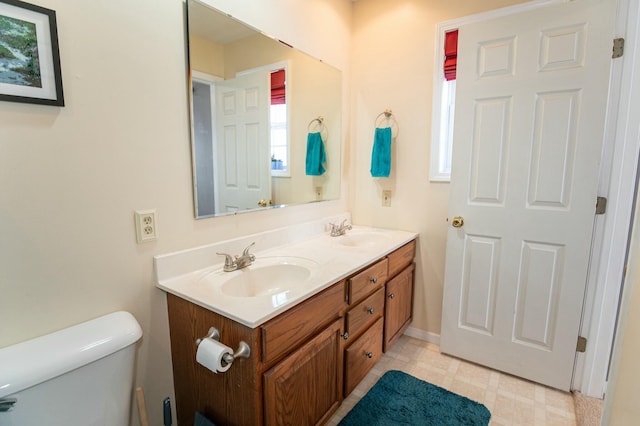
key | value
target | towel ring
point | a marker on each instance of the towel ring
(317, 125)
(386, 117)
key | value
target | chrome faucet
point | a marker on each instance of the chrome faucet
(337, 230)
(232, 263)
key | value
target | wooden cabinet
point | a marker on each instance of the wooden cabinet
(305, 360)
(306, 387)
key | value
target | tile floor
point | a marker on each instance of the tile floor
(512, 401)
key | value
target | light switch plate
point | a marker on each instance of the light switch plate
(386, 198)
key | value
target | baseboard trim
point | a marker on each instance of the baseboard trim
(420, 334)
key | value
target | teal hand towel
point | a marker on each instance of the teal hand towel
(381, 155)
(316, 156)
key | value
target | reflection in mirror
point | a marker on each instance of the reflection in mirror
(257, 107)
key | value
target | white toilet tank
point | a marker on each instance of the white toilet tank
(82, 375)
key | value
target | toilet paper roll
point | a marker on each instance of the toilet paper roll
(210, 353)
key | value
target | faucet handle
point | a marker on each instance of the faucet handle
(245, 252)
(228, 259)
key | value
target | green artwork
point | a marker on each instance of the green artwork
(19, 62)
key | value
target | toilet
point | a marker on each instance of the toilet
(81, 375)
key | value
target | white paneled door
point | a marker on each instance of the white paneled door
(529, 124)
(242, 136)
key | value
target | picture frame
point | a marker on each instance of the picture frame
(29, 56)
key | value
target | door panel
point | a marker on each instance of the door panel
(530, 108)
(479, 285)
(243, 142)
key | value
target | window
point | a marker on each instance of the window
(279, 145)
(444, 105)
(279, 125)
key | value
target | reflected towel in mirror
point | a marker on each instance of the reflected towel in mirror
(316, 156)
(381, 154)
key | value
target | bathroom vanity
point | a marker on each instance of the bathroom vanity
(307, 354)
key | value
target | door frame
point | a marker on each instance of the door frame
(612, 231)
(618, 166)
(209, 79)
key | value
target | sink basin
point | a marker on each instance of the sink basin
(362, 239)
(275, 277)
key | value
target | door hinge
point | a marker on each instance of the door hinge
(618, 48)
(582, 344)
(601, 205)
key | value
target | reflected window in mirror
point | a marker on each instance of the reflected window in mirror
(279, 124)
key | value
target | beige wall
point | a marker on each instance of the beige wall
(206, 56)
(71, 178)
(392, 67)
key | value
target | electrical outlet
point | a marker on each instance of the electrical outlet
(146, 226)
(318, 193)
(386, 198)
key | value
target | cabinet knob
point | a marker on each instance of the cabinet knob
(392, 295)
(373, 280)
(345, 335)
(370, 310)
(369, 355)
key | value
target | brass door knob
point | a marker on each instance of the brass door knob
(457, 222)
(263, 203)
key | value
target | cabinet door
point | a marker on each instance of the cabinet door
(399, 306)
(305, 388)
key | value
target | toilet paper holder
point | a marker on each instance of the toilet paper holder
(243, 350)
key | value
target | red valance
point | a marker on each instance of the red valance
(450, 55)
(278, 90)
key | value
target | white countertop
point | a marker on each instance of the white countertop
(333, 258)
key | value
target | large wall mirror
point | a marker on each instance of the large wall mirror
(266, 128)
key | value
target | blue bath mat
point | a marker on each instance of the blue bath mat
(400, 399)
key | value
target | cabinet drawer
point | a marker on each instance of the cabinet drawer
(365, 313)
(401, 258)
(362, 355)
(298, 324)
(366, 281)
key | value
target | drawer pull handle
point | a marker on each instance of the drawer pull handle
(345, 335)
(369, 355)
(373, 280)
(391, 296)
(370, 310)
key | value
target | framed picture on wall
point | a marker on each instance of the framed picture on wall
(29, 56)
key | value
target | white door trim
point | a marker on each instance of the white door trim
(611, 233)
